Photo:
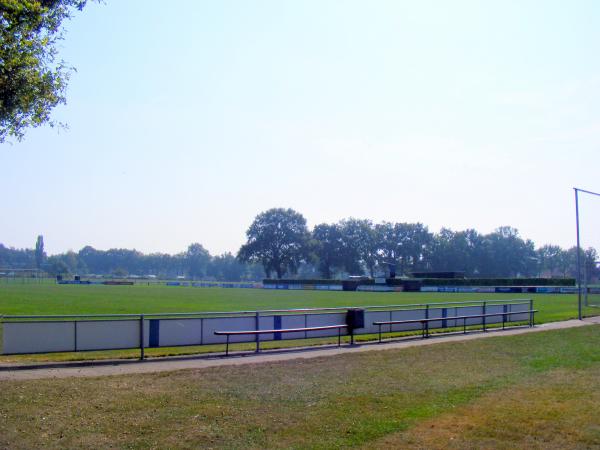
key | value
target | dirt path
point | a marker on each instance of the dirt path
(103, 368)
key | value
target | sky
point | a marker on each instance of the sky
(188, 118)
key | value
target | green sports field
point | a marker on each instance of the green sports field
(51, 299)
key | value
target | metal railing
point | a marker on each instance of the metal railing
(263, 312)
(255, 314)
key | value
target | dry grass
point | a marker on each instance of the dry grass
(556, 411)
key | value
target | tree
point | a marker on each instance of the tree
(504, 254)
(403, 244)
(360, 246)
(551, 260)
(120, 272)
(415, 240)
(226, 267)
(589, 265)
(197, 258)
(329, 248)
(455, 251)
(40, 255)
(32, 81)
(278, 239)
(56, 266)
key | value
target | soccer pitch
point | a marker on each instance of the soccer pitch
(53, 299)
(49, 298)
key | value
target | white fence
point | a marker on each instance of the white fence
(46, 334)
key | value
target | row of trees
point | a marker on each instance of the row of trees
(280, 244)
(196, 263)
(280, 241)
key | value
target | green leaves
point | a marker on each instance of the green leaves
(278, 239)
(32, 82)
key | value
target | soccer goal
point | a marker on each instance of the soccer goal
(587, 215)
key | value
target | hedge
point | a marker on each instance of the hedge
(300, 281)
(499, 282)
(316, 281)
(414, 282)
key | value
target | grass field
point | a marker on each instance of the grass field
(538, 390)
(50, 298)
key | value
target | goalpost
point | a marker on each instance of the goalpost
(587, 218)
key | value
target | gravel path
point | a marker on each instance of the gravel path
(104, 368)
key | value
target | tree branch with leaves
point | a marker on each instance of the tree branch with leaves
(33, 80)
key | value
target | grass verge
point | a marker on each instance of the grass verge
(501, 392)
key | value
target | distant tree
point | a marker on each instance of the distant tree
(550, 260)
(120, 272)
(226, 267)
(56, 266)
(455, 251)
(590, 265)
(40, 255)
(278, 239)
(360, 246)
(17, 258)
(32, 81)
(308, 270)
(329, 248)
(255, 272)
(197, 259)
(504, 254)
(415, 240)
(75, 266)
(403, 244)
(388, 246)
(95, 260)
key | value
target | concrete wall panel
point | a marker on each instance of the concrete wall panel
(174, 332)
(38, 337)
(109, 334)
(210, 325)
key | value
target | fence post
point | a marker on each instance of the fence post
(531, 313)
(257, 323)
(141, 337)
(484, 311)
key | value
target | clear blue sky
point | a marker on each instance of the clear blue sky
(188, 118)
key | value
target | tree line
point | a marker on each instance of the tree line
(280, 241)
(279, 244)
(194, 263)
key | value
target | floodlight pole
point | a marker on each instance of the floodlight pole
(577, 191)
(578, 255)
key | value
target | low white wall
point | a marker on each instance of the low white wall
(66, 336)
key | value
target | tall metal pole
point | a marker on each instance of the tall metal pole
(578, 255)
(577, 191)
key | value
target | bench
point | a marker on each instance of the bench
(283, 330)
(425, 322)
